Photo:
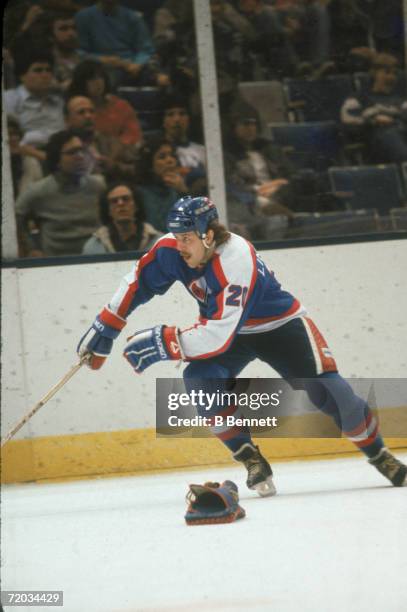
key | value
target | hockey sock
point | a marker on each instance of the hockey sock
(212, 379)
(357, 422)
(366, 435)
(321, 399)
(238, 439)
(225, 429)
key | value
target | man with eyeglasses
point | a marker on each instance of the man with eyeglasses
(38, 109)
(63, 205)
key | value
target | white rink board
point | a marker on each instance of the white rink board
(355, 293)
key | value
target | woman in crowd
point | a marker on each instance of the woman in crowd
(123, 223)
(113, 115)
(260, 196)
(162, 180)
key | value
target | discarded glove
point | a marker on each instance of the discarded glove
(213, 503)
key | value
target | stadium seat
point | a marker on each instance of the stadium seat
(142, 98)
(317, 100)
(308, 145)
(366, 187)
(147, 102)
(150, 122)
(267, 97)
(398, 218)
(313, 225)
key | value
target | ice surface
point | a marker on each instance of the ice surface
(334, 539)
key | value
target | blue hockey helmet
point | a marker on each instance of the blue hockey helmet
(191, 215)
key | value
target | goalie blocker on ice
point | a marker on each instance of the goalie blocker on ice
(244, 314)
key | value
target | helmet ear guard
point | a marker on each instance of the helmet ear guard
(192, 215)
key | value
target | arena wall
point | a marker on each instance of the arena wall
(103, 422)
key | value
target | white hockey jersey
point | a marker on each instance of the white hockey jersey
(235, 292)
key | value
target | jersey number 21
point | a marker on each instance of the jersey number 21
(237, 295)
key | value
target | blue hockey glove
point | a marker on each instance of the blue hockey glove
(98, 340)
(148, 346)
(213, 503)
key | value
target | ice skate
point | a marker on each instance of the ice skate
(259, 472)
(390, 467)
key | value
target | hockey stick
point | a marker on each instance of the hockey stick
(45, 399)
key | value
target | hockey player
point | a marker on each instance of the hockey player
(244, 315)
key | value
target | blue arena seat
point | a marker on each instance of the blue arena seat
(267, 97)
(142, 98)
(398, 218)
(150, 121)
(320, 99)
(377, 187)
(313, 225)
(308, 145)
(147, 101)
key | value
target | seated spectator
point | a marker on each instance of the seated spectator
(171, 19)
(232, 34)
(80, 117)
(117, 37)
(379, 115)
(103, 153)
(307, 28)
(389, 27)
(65, 45)
(25, 27)
(350, 27)
(256, 165)
(271, 48)
(113, 116)
(162, 181)
(174, 39)
(38, 110)
(257, 176)
(317, 32)
(191, 155)
(123, 226)
(63, 205)
(25, 169)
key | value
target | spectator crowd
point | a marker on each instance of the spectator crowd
(104, 112)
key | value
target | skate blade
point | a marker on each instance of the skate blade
(266, 488)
